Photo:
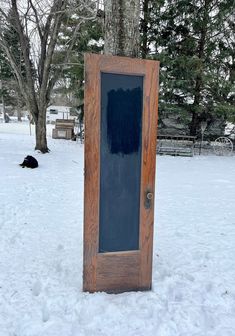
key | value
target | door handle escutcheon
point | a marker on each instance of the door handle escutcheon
(148, 200)
(149, 195)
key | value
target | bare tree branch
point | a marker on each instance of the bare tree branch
(38, 24)
(14, 66)
(37, 19)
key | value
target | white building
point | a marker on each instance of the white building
(58, 112)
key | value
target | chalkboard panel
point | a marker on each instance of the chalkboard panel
(120, 161)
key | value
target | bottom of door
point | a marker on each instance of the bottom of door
(118, 272)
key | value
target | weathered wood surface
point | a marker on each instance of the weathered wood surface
(149, 136)
(64, 123)
(118, 271)
(176, 145)
(91, 171)
(64, 129)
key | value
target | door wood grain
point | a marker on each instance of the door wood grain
(118, 271)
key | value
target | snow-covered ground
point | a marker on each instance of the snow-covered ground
(41, 224)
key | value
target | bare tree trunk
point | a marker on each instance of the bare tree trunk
(19, 115)
(4, 110)
(122, 27)
(195, 122)
(3, 102)
(144, 29)
(40, 128)
(39, 76)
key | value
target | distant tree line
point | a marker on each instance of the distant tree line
(42, 46)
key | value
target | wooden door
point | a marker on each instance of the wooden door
(120, 152)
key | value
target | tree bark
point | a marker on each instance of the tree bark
(40, 129)
(3, 109)
(19, 114)
(122, 27)
(195, 123)
(144, 29)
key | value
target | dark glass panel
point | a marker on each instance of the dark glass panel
(121, 124)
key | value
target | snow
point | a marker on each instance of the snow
(41, 232)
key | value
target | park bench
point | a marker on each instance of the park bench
(177, 145)
(64, 129)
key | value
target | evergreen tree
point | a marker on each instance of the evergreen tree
(191, 40)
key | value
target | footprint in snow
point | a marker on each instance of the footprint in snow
(45, 312)
(37, 288)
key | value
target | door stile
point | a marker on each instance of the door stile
(149, 136)
(91, 172)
